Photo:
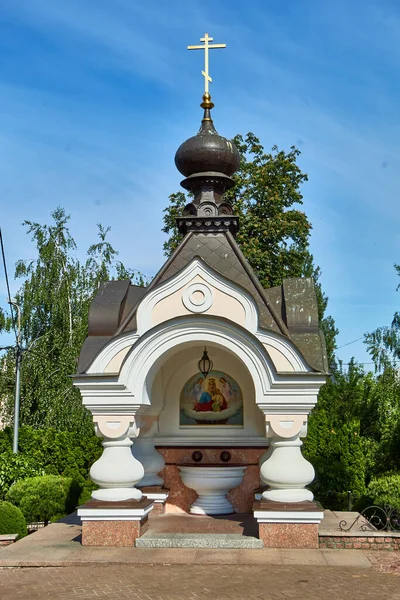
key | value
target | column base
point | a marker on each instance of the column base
(258, 492)
(157, 494)
(114, 523)
(288, 525)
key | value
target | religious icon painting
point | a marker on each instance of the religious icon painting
(213, 400)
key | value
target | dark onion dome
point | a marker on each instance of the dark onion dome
(207, 152)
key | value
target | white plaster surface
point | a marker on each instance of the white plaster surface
(168, 385)
(218, 303)
(115, 363)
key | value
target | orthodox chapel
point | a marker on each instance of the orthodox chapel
(201, 384)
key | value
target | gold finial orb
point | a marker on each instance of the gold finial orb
(207, 101)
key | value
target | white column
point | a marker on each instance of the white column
(145, 452)
(286, 470)
(117, 471)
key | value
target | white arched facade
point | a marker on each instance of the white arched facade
(295, 391)
(196, 308)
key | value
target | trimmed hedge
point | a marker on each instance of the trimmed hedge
(385, 490)
(46, 498)
(12, 520)
(47, 451)
(14, 467)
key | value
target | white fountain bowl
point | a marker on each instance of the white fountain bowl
(211, 484)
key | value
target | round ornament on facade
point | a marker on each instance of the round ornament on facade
(197, 297)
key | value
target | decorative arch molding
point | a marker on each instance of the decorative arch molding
(284, 347)
(296, 391)
(196, 268)
(121, 344)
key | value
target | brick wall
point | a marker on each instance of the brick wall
(355, 540)
(7, 539)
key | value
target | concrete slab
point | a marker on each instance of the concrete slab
(302, 557)
(59, 545)
(267, 556)
(346, 558)
(217, 557)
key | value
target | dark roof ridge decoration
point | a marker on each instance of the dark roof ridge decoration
(207, 160)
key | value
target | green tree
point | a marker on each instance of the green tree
(383, 344)
(342, 456)
(274, 233)
(54, 298)
(354, 432)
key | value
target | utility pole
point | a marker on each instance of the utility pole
(18, 350)
(17, 376)
(18, 359)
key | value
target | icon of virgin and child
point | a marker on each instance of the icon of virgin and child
(213, 394)
(211, 400)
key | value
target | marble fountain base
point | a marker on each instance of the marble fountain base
(212, 482)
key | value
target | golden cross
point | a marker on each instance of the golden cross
(206, 39)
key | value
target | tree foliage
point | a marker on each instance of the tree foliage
(12, 520)
(48, 452)
(44, 498)
(54, 299)
(384, 343)
(354, 433)
(274, 233)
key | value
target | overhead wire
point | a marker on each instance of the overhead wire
(8, 286)
(348, 343)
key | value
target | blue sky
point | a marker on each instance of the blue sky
(97, 95)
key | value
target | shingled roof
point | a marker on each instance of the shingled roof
(290, 309)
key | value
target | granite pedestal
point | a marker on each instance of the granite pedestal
(114, 523)
(288, 525)
(158, 494)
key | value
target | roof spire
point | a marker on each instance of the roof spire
(207, 160)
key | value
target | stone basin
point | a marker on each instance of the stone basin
(212, 482)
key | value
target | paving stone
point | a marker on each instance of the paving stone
(198, 581)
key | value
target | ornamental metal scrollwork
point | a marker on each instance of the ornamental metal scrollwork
(374, 518)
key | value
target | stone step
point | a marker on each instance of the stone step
(197, 540)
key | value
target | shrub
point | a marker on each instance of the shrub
(46, 451)
(86, 492)
(385, 490)
(45, 498)
(11, 520)
(56, 452)
(14, 467)
(340, 457)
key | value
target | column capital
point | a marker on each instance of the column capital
(114, 426)
(285, 426)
